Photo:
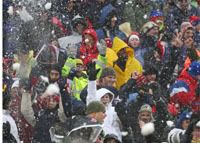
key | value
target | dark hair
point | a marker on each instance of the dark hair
(6, 101)
(77, 21)
(149, 70)
(109, 137)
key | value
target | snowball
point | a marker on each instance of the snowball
(52, 89)
(147, 129)
(86, 40)
(16, 66)
(48, 5)
(10, 10)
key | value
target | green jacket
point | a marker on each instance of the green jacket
(70, 63)
(78, 84)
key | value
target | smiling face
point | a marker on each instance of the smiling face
(145, 116)
(106, 99)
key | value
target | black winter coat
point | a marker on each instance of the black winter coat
(45, 120)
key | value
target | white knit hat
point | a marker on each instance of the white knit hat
(52, 89)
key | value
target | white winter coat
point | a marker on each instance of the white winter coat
(111, 123)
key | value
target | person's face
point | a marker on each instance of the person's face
(153, 31)
(108, 80)
(51, 103)
(100, 116)
(184, 4)
(198, 77)
(54, 75)
(151, 77)
(55, 43)
(188, 34)
(105, 99)
(197, 28)
(185, 124)
(196, 134)
(113, 21)
(134, 43)
(79, 69)
(122, 54)
(79, 28)
(70, 5)
(90, 41)
(145, 116)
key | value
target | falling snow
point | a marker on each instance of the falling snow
(100, 70)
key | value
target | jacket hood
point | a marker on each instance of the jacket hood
(101, 92)
(91, 32)
(105, 12)
(119, 44)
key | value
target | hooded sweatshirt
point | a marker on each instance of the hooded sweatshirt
(87, 54)
(132, 64)
(111, 123)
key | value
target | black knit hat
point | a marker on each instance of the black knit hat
(107, 72)
(94, 107)
(109, 137)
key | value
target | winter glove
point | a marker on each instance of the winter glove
(72, 73)
(155, 87)
(102, 47)
(91, 71)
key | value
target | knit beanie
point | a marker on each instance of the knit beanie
(194, 68)
(107, 72)
(54, 91)
(145, 108)
(79, 61)
(185, 115)
(155, 14)
(185, 26)
(94, 107)
(133, 35)
(148, 26)
(194, 20)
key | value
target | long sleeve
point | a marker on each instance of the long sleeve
(26, 108)
(61, 113)
(91, 96)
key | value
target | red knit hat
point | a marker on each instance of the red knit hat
(194, 20)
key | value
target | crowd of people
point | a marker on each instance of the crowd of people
(101, 71)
